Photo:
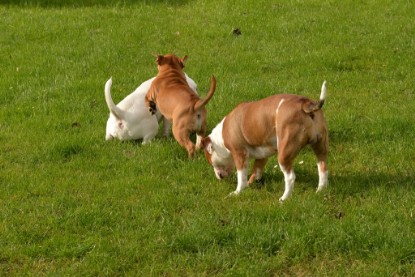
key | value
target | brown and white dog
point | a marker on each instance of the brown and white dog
(178, 103)
(283, 123)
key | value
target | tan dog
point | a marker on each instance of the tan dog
(256, 130)
(178, 103)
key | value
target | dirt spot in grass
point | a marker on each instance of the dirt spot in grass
(236, 31)
(339, 215)
(76, 125)
(223, 222)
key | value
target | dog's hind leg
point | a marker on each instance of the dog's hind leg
(151, 135)
(182, 137)
(166, 127)
(323, 175)
(287, 151)
(320, 149)
(198, 141)
(289, 178)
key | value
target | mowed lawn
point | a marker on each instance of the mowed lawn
(73, 204)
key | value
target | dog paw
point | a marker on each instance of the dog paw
(320, 188)
(232, 194)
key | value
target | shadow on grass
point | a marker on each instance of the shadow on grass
(89, 3)
(343, 184)
(359, 184)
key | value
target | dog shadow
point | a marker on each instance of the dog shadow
(344, 184)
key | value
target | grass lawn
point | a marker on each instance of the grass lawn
(73, 204)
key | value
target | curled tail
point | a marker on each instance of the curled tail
(310, 107)
(116, 111)
(202, 102)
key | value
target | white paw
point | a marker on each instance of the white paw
(232, 194)
(320, 188)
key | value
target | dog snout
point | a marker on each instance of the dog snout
(220, 174)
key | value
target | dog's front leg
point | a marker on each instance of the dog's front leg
(257, 170)
(241, 162)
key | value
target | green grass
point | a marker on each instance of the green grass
(73, 204)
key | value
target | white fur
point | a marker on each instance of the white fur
(323, 178)
(323, 91)
(242, 179)
(289, 178)
(260, 152)
(130, 119)
(279, 105)
(222, 160)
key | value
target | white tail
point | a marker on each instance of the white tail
(117, 112)
(323, 92)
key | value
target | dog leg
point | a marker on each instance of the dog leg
(200, 134)
(166, 127)
(287, 151)
(148, 138)
(242, 181)
(322, 175)
(289, 178)
(241, 160)
(320, 150)
(257, 170)
(182, 137)
(198, 142)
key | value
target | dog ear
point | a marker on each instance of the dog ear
(207, 145)
(182, 60)
(209, 148)
(159, 58)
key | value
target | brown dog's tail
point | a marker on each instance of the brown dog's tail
(310, 107)
(202, 102)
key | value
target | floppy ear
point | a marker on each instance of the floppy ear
(209, 148)
(207, 145)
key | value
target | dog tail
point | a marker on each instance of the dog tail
(310, 107)
(202, 102)
(116, 111)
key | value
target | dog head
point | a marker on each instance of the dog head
(220, 159)
(170, 61)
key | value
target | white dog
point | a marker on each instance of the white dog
(130, 119)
